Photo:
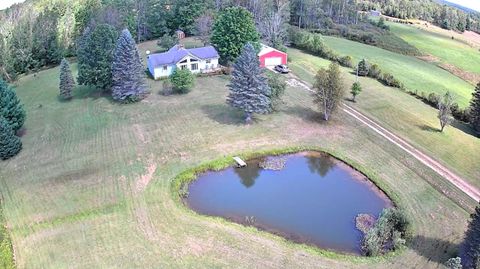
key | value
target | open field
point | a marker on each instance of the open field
(416, 74)
(407, 116)
(448, 49)
(92, 187)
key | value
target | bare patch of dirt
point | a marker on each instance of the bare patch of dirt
(472, 37)
(142, 182)
(465, 75)
(429, 58)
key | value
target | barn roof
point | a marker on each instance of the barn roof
(177, 52)
(266, 49)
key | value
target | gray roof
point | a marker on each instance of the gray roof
(176, 53)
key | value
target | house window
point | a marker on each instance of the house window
(193, 60)
(208, 61)
(165, 68)
(184, 61)
(183, 67)
(194, 67)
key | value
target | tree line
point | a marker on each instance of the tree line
(40, 33)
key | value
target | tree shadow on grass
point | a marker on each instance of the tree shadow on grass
(305, 113)
(464, 128)
(83, 92)
(224, 114)
(434, 249)
(428, 128)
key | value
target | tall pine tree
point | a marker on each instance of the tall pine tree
(128, 79)
(67, 83)
(475, 109)
(95, 56)
(470, 249)
(10, 144)
(10, 107)
(248, 86)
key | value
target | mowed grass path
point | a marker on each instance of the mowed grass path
(417, 75)
(92, 186)
(441, 45)
(407, 116)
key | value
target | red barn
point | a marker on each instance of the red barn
(271, 57)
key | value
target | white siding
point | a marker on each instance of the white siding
(203, 67)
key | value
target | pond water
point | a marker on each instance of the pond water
(314, 199)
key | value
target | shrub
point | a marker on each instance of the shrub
(389, 233)
(374, 71)
(346, 61)
(363, 68)
(182, 80)
(389, 80)
(277, 86)
(433, 99)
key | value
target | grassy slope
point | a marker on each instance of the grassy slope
(406, 115)
(458, 53)
(72, 196)
(416, 74)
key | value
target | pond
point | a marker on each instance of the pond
(313, 199)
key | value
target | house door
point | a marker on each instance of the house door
(272, 61)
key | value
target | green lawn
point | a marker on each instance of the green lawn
(92, 186)
(406, 115)
(442, 46)
(416, 74)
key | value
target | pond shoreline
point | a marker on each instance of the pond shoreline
(353, 174)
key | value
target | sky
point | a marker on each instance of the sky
(6, 3)
(473, 4)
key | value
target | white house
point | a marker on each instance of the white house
(197, 60)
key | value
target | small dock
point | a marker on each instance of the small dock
(240, 162)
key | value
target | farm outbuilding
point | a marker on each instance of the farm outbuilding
(271, 57)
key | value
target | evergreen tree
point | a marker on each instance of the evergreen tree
(475, 109)
(470, 249)
(10, 144)
(67, 83)
(248, 86)
(96, 56)
(328, 89)
(231, 31)
(10, 107)
(128, 79)
(363, 68)
(82, 56)
(355, 90)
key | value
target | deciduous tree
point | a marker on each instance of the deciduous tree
(277, 86)
(328, 88)
(249, 90)
(67, 83)
(445, 110)
(231, 31)
(182, 80)
(355, 90)
(128, 78)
